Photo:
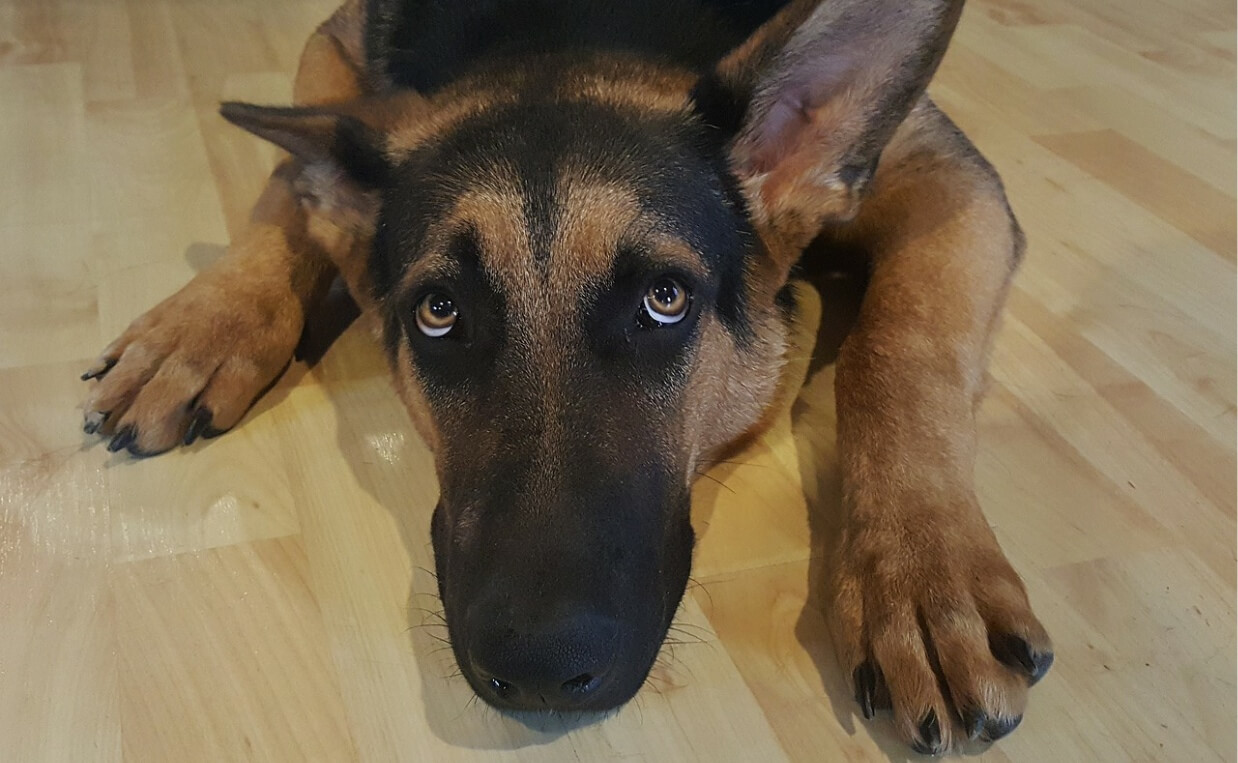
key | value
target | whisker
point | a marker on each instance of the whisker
(702, 633)
(426, 570)
(444, 640)
(431, 612)
(468, 705)
(720, 483)
(429, 624)
(422, 627)
(678, 642)
(694, 585)
(712, 463)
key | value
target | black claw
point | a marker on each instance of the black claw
(929, 742)
(99, 371)
(94, 421)
(197, 424)
(978, 725)
(123, 439)
(865, 678)
(1040, 666)
(973, 722)
(1017, 653)
(996, 728)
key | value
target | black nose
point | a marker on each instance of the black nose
(562, 663)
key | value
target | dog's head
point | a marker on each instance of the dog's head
(578, 264)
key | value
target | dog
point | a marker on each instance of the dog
(576, 223)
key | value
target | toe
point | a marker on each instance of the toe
(980, 726)
(915, 693)
(846, 621)
(986, 694)
(1016, 637)
(94, 421)
(234, 387)
(928, 738)
(161, 410)
(99, 369)
(111, 396)
(867, 678)
(123, 438)
(199, 424)
(996, 728)
(1017, 653)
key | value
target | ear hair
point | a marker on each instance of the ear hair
(813, 97)
(318, 136)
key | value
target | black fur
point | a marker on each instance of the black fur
(676, 171)
(425, 44)
(562, 538)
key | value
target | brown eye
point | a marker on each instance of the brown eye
(436, 315)
(666, 302)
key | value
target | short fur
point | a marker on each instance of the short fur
(543, 162)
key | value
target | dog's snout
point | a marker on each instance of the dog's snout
(562, 663)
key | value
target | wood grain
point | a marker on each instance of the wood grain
(268, 595)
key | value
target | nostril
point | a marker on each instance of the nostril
(502, 688)
(560, 660)
(581, 684)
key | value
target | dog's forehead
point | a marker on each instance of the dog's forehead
(553, 192)
(546, 251)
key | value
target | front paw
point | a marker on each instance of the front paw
(193, 365)
(930, 620)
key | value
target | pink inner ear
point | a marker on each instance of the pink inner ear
(785, 117)
(798, 94)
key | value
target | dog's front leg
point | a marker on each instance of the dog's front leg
(195, 363)
(928, 615)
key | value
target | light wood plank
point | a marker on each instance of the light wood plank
(205, 670)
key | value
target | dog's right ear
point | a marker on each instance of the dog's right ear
(324, 139)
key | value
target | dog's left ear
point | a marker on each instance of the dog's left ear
(812, 98)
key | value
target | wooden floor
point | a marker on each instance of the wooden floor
(260, 596)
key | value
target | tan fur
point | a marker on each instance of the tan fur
(916, 551)
(441, 114)
(597, 219)
(215, 345)
(801, 139)
(919, 583)
(731, 388)
(628, 84)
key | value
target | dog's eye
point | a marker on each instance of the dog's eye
(436, 315)
(666, 302)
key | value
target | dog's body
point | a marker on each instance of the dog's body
(576, 223)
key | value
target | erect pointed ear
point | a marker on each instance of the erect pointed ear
(324, 138)
(812, 98)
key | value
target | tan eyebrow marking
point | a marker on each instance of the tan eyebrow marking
(594, 220)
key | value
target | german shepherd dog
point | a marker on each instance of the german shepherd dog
(575, 222)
